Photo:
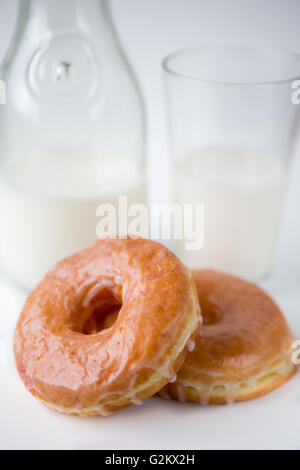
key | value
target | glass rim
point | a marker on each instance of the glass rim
(181, 52)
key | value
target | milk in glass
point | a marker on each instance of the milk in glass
(243, 195)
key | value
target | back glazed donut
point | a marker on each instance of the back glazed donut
(75, 359)
(243, 349)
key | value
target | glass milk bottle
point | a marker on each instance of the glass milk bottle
(72, 133)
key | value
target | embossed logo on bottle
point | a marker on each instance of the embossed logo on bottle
(2, 92)
(64, 68)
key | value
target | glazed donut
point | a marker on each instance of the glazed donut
(242, 351)
(65, 357)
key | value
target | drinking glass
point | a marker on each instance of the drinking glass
(233, 120)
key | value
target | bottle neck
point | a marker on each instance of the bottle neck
(63, 15)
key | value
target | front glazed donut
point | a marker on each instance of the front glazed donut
(242, 351)
(75, 362)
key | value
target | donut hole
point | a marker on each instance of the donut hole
(101, 320)
(211, 312)
(96, 312)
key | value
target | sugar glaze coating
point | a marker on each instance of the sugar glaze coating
(69, 353)
(242, 351)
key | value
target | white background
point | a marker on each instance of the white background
(149, 30)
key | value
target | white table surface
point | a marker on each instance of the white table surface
(270, 422)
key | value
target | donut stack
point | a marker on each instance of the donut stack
(124, 320)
